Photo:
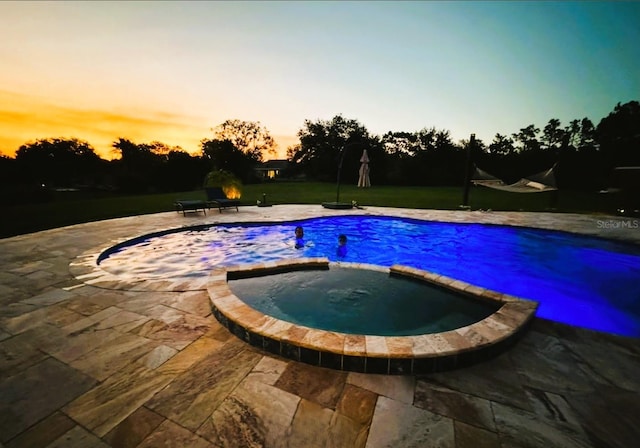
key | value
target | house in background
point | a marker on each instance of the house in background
(271, 169)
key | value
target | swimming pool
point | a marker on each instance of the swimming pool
(577, 280)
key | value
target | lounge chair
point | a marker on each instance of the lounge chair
(185, 206)
(217, 198)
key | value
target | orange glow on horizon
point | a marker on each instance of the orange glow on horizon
(24, 119)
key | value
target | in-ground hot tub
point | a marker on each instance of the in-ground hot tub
(346, 299)
(419, 322)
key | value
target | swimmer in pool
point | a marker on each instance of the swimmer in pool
(342, 246)
(299, 237)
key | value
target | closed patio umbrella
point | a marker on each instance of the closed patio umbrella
(363, 180)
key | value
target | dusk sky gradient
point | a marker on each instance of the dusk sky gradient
(170, 71)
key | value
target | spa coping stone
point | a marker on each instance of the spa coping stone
(370, 353)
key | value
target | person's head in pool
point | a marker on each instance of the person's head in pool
(299, 237)
(342, 245)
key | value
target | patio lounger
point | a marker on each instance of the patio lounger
(217, 198)
(190, 206)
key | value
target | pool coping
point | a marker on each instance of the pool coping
(370, 353)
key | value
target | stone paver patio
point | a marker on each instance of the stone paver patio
(86, 366)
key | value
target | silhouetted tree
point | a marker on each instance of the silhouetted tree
(619, 135)
(17, 186)
(425, 157)
(401, 143)
(58, 162)
(401, 148)
(527, 139)
(587, 139)
(161, 149)
(501, 145)
(139, 167)
(572, 133)
(292, 150)
(10, 179)
(444, 161)
(321, 146)
(184, 172)
(8, 171)
(552, 135)
(250, 137)
(224, 155)
(580, 135)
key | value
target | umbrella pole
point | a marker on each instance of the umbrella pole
(467, 172)
(339, 170)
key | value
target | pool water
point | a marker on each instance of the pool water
(359, 301)
(577, 280)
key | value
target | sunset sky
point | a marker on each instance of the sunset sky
(170, 71)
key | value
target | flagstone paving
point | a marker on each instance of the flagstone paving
(88, 366)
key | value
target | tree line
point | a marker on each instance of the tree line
(583, 153)
(42, 166)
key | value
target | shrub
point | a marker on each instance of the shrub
(230, 184)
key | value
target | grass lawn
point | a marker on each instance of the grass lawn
(62, 211)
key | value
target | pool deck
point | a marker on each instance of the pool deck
(83, 365)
